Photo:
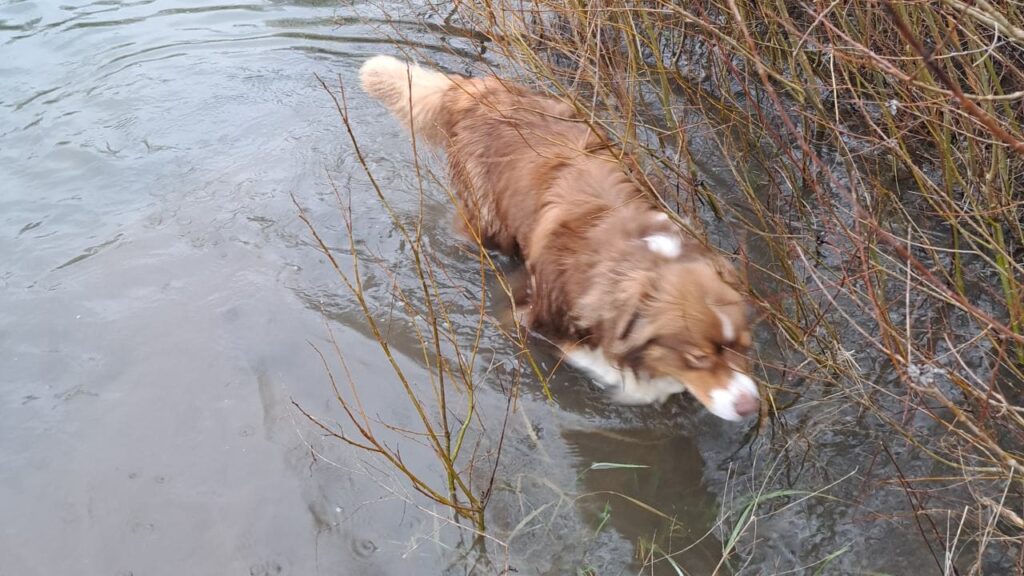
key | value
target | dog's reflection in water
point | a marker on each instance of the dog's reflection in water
(670, 482)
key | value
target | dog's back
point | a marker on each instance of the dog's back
(507, 148)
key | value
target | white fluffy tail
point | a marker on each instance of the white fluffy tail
(389, 80)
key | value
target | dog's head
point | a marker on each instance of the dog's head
(687, 321)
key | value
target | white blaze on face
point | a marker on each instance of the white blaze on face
(741, 389)
(728, 332)
(667, 245)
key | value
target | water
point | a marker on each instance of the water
(159, 295)
(151, 321)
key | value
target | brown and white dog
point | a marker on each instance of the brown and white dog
(614, 282)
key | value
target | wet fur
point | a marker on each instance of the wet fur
(605, 276)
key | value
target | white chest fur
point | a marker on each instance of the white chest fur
(626, 386)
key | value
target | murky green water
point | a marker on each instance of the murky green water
(158, 295)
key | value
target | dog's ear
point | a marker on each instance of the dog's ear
(626, 329)
(631, 327)
(628, 311)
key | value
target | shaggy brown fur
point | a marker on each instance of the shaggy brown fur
(613, 280)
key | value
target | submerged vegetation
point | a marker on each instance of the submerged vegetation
(870, 180)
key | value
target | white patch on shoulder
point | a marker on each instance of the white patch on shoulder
(661, 217)
(723, 400)
(667, 245)
(728, 332)
(628, 388)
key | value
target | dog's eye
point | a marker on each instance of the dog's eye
(698, 360)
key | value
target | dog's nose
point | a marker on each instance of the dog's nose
(747, 405)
